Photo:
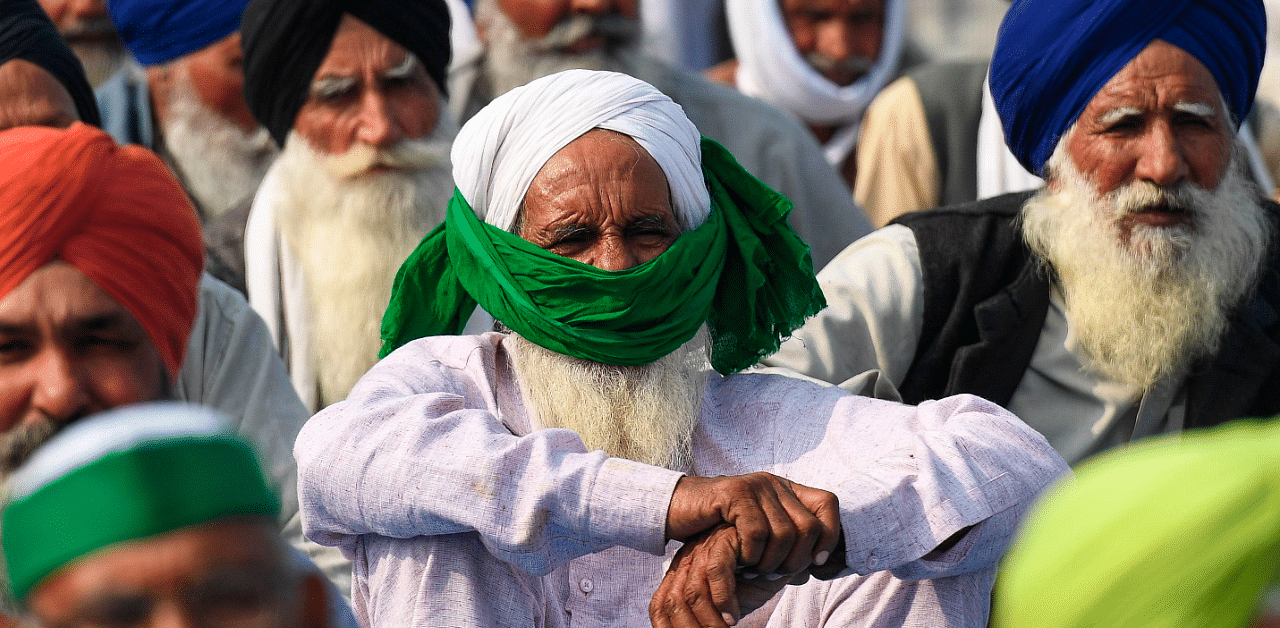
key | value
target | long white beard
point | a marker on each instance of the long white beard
(221, 164)
(642, 413)
(1145, 301)
(511, 60)
(351, 234)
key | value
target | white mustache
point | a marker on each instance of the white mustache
(406, 155)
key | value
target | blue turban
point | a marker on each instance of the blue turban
(1052, 56)
(159, 31)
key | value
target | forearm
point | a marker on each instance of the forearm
(426, 465)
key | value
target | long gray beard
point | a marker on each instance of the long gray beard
(1147, 302)
(221, 165)
(100, 59)
(511, 60)
(350, 236)
(642, 413)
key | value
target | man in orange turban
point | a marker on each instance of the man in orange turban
(100, 288)
(99, 268)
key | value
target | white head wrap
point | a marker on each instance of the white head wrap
(499, 150)
(771, 69)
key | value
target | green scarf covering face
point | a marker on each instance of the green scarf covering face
(744, 272)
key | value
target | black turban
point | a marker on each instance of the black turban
(286, 40)
(27, 33)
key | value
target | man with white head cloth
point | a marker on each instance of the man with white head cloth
(537, 477)
(822, 60)
(527, 39)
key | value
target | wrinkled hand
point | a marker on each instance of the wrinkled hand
(700, 588)
(781, 526)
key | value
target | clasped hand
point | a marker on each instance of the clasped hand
(745, 537)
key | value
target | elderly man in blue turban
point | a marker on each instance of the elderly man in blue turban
(1136, 292)
(186, 103)
(537, 476)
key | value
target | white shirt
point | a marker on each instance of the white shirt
(458, 511)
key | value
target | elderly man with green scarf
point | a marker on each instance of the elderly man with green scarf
(598, 462)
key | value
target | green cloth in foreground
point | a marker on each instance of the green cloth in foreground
(129, 474)
(1168, 533)
(744, 272)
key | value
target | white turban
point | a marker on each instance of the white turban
(771, 69)
(499, 151)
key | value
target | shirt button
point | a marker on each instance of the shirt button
(586, 586)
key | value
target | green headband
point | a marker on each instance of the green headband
(125, 495)
(744, 272)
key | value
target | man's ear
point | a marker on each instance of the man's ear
(315, 602)
(160, 82)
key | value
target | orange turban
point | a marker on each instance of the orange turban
(115, 213)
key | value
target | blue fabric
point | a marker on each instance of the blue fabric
(158, 31)
(1052, 56)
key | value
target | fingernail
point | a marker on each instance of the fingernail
(821, 558)
(749, 575)
(728, 619)
(772, 576)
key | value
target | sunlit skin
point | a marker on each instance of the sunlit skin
(72, 16)
(836, 29)
(1160, 120)
(364, 92)
(216, 73)
(68, 349)
(601, 200)
(30, 96)
(226, 573)
(536, 18)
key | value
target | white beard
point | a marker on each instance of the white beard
(221, 165)
(351, 234)
(642, 413)
(1147, 302)
(511, 60)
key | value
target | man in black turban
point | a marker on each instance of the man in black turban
(354, 94)
(36, 62)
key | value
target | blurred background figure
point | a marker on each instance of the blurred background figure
(155, 514)
(88, 30)
(354, 94)
(41, 81)
(1175, 532)
(186, 102)
(821, 60)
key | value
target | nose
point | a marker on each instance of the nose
(1162, 161)
(591, 7)
(61, 391)
(169, 614)
(835, 40)
(87, 9)
(614, 254)
(378, 126)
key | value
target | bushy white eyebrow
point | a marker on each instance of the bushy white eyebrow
(403, 69)
(1201, 109)
(334, 85)
(1117, 114)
